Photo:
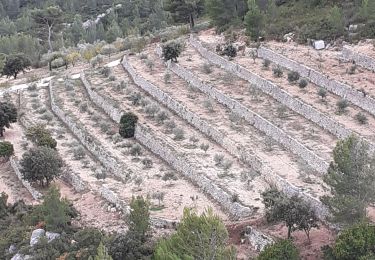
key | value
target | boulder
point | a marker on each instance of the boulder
(52, 236)
(319, 45)
(257, 239)
(12, 249)
(36, 235)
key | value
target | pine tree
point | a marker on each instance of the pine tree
(197, 237)
(254, 20)
(352, 181)
(102, 253)
(139, 218)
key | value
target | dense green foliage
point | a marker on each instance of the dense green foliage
(39, 135)
(14, 64)
(6, 150)
(355, 243)
(41, 165)
(293, 211)
(8, 115)
(128, 122)
(352, 181)
(281, 250)
(197, 237)
(171, 51)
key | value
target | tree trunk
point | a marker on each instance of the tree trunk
(1, 132)
(192, 24)
(289, 232)
(49, 37)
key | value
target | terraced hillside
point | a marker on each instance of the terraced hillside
(211, 132)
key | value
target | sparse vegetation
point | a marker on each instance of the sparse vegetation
(342, 105)
(361, 118)
(277, 71)
(302, 84)
(293, 76)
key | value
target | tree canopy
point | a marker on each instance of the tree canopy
(8, 115)
(352, 181)
(41, 165)
(197, 237)
(14, 64)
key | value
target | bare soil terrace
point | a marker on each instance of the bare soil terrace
(140, 178)
(285, 164)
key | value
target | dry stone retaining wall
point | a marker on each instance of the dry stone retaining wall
(109, 109)
(75, 180)
(343, 90)
(256, 120)
(16, 167)
(359, 58)
(107, 159)
(232, 147)
(181, 164)
(177, 161)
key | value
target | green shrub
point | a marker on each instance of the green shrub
(277, 71)
(342, 105)
(293, 76)
(356, 243)
(6, 150)
(266, 63)
(303, 83)
(281, 250)
(361, 118)
(322, 93)
(39, 135)
(171, 51)
(127, 125)
(230, 51)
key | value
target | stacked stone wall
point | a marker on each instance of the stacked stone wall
(256, 120)
(106, 158)
(360, 59)
(101, 102)
(16, 167)
(232, 147)
(343, 90)
(147, 138)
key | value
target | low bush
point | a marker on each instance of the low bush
(277, 71)
(342, 105)
(281, 250)
(266, 63)
(293, 76)
(39, 135)
(6, 150)
(361, 118)
(303, 83)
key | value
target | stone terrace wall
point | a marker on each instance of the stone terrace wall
(106, 158)
(16, 167)
(256, 120)
(182, 164)
(343, 90)
(237, 150)
(299, 106)
(68, 174)
(73, 179)
(147, 138)
(359, 58)
(109, 109)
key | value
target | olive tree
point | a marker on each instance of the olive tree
(41, 165)
(8, 115)
(14, 64)
(293, 211)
